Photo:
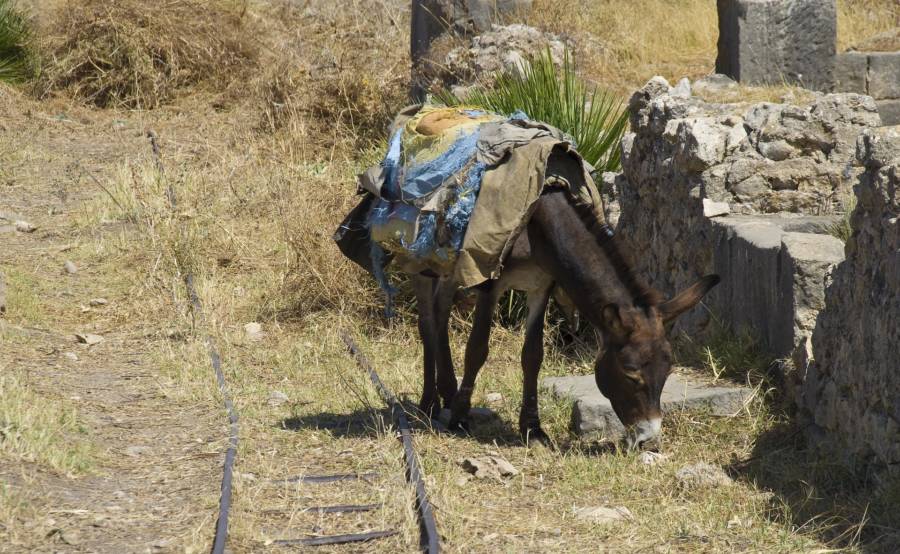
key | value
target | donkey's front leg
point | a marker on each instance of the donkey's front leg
(476, 354)
(424, 290)
(532, 358)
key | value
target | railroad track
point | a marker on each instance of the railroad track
(429, 539)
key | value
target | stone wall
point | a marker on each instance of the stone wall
(874, 73)
(852, 387)
(743, 190)
(770, 42)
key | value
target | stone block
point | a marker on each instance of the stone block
(770, 41)
(850, 70)
(592, 413)
(884, 75)
(889, 110)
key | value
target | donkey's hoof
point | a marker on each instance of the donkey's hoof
(535, 436)
(458, 426)
(431, 408)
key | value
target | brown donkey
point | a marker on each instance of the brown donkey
(565, 245)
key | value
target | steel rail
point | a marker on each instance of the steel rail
(221, 532)
(429, 539)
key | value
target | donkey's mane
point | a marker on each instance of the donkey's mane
(643, 295)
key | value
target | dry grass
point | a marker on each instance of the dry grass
(622, 45)
(134, 54)
(868, 25)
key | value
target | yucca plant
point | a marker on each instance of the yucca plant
(595, 119)
(15, 59)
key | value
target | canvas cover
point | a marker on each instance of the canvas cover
(455, 188)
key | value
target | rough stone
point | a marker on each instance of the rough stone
(889, 110)
(702, 475)
(682, 89)
(851, 391)
(23, 226)
(770, 41)
(488, 467)
(480, 58)
(70, 267)
(253, 331)
(712, 208)
(89, 339)
(884, 75)
(277, 398)
(493, 398)
(850, 72)
(712, 84)
(593, 414)
(603, 515)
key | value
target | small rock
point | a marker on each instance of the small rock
(712, 208)
(135, 451)
(493, 398)
(24, 227)
(98, 302)
(89, 339)
(71, 355)
(277, 398)
(490, 537)
(682, 89)
(652, 458)
(603, 515)
(70, 537)
(253, 331)
(462, 481)
(70, 267)
(487, 467)
(702, 475)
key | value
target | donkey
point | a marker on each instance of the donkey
(564, 244)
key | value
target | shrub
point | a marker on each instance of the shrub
(15, 35)
(593, 118)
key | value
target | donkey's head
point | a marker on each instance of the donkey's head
(637, 359)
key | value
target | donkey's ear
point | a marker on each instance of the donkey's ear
(688, 298)
(612, 318)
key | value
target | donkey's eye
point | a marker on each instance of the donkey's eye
(634, 375)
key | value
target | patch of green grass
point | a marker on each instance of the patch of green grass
(39, 429)
(595, 119)
(842, 228)
(724, 353)
(16, 64)
(23, 304)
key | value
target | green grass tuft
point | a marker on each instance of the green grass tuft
(595, 119)
(15, 56)
(842, 228)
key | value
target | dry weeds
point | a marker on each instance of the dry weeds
(134, 54)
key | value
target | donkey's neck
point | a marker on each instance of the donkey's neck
(568, 249)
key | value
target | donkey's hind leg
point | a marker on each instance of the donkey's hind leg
(445, 292)
(532, 358)
(476, 353)
(424, 290)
